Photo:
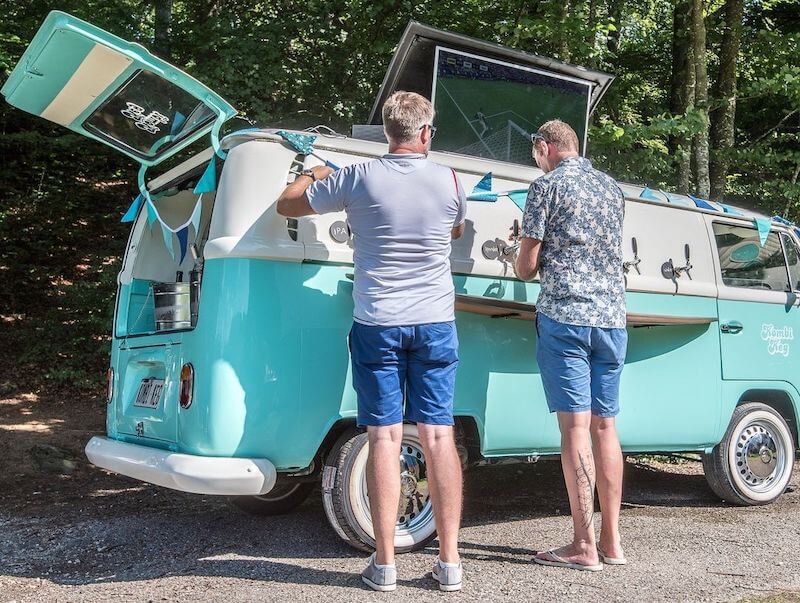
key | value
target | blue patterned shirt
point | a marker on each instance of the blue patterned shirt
(577, 213)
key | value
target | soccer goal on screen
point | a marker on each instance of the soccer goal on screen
(510, 142)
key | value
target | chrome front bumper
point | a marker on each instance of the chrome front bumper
(185, 472)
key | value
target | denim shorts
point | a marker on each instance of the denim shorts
(580, 366)
(412, 364)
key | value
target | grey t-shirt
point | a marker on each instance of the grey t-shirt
(401, 210)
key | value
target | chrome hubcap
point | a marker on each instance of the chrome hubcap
(414, 495)
(758, 458)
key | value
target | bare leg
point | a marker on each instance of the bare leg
(608, 459)
(383, 485)
(444, 481)
(578, 466)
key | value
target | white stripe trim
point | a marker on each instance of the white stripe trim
(101, 67)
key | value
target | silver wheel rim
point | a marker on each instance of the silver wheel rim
(415, 510)
(760, 456)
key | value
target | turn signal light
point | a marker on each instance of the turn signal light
(109, 385)
(187, 386)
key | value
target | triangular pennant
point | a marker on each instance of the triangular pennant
(782, 220)
(648, 194)
(763, 225)
(484, 185)
(702, 203)
(183, 240)
(195, 219)
(679, 200)
(797, 232)
(520, 198)
(208, 181)
(130, 215)
(152, 214)
(167, 234)
(731, 210)
(482, 197)
(177, 123)
(302, 143)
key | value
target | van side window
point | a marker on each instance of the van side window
(746, 263)
(793, 259)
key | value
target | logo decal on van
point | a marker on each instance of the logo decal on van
(776, 338)
(148, 123)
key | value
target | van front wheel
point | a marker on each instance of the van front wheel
(753, 463)
(284, 497)
(346, 501)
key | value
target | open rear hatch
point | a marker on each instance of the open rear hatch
(116, 92)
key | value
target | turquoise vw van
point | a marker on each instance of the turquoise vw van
(229, 370)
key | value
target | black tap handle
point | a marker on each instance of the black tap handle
(515, 229)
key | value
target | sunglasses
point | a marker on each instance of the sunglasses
(431, 127)
(536, 136)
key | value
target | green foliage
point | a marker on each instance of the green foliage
(292, 63)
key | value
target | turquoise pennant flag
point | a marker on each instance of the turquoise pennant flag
(195, 219)
(208, 181)
(482, 197)
(763, 225)
(167, 234)
(302, 143)
(520, 198)
(183, 240)
(152, 215)
(484, 185)
(678, 200)
(177, 123)
(648, 194)
(702, 203)
(130, 215)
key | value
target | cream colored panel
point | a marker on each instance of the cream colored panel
(94, 75)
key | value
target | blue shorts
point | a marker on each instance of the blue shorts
(416, 364)
(580, 366)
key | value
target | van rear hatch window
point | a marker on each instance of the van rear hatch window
(147, 114)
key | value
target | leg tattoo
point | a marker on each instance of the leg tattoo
(585, 474)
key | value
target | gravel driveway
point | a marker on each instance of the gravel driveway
(109, 538)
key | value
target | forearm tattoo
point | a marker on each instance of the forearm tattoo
(585, 474)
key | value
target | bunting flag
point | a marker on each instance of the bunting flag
(520, 198)
(182, 231)
(678, 200)
(177, 123)
(482, 197)
(304, 144)
(208, 181)
(484, 185)
(731, 210)
(782, 220)
(133, 210)
(763, 225)
(648, 194)
(703, 204)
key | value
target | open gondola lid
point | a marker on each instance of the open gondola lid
(489, 98)
(100, 86)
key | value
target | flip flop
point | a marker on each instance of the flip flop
(554, 560)
(611, 560)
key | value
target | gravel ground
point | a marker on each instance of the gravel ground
(105, 538)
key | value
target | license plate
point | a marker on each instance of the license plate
(149, 393)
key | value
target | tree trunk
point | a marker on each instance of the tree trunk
(723, 117)
(162, 43)
(700, 142)
(682, 89)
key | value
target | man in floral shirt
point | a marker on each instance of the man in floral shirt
(572, 236)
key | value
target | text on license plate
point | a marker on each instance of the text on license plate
(149, 393)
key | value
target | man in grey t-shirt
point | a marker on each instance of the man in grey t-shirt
(403, 211)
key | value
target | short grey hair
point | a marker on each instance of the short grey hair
(404, 113)
(560, 135)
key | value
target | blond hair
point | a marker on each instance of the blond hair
(560, 135)
(404, 113)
